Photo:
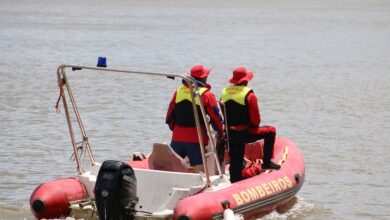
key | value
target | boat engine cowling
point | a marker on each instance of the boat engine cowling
(116, 191)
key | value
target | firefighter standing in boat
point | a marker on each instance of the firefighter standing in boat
(243, 118)
(180, 118)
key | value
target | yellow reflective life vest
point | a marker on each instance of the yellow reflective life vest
(184, 112)
(235, 93)
(184, 93)
(236, 109)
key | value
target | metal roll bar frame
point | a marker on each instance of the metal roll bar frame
(194, 91)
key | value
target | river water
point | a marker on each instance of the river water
(321, 75)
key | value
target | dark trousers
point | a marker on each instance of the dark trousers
(237, 141)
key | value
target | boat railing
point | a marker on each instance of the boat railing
(194, 91)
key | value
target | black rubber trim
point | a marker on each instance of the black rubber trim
(38, 206)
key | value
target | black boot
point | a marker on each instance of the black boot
(270, 165)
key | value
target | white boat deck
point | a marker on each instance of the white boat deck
(158, 191)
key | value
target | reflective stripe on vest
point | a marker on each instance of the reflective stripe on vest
(236, 110)
(184, 112)
(184, 93)
(235, 93)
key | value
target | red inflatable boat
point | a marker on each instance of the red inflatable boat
(165, 186)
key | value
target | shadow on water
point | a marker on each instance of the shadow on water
(15, 213)
(296, 208)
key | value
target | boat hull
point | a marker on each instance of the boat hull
(254, 196)
(51, 199)
(251, 197)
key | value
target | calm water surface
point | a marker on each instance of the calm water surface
(321, 75)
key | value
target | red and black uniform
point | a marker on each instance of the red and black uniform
(243, 118)
(180, 118)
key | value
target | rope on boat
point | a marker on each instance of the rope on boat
(79, 148)
(85, 138)
(62, 81)
(61, 86)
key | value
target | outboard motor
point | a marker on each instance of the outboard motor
(116, 191)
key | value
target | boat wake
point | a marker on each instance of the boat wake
(296, 208)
